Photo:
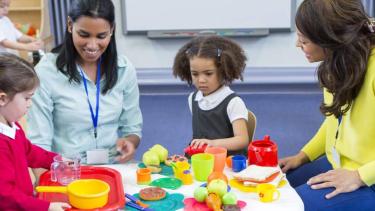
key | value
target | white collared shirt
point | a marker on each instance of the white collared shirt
(236, 108)
(8, 131)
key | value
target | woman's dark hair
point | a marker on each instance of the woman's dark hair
(67, 54)
(229, 57)
(16, 75)
(341, 28)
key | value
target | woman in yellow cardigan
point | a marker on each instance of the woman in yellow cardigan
(339, 34)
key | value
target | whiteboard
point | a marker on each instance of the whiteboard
(149, 15)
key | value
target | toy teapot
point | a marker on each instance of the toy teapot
(263, 152)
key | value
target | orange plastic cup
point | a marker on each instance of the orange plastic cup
(220, 156)
(143, 176)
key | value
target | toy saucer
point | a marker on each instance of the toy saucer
(170, 202)
(205, 185)
(167, 182)
(193, 205)
(239, 185)
(165, 170)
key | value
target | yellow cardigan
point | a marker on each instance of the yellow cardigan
(356, 136)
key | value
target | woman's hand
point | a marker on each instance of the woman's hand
(293, 162)
(342, 180)
(126, 146)
(58, 206)
(197, 143)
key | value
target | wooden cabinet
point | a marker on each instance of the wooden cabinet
(35, 13)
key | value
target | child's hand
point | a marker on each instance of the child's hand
(342, 180)
(58, 206)
(198, 143)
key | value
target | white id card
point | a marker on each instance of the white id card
(97, 156)
(336, 157)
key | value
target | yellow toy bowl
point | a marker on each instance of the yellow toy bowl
(82, 193)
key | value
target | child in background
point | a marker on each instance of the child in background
(18, 82)
(12, 39)
(220, 117)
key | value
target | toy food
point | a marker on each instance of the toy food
(229, 198)
(152, 193)
(154, 168)
(150, 158)
(259, 174)
(161, 151)
(200, 194)
(189, 150)
(217, 175)
(213, 202)
(175, 158)
(231, 207)
(217, 186)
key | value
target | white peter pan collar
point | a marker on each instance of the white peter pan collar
(218, 96)
(8, 131)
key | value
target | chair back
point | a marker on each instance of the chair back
(251, 125)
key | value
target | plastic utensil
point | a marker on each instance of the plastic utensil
(66, 168)
(203, 165)
(138, 207)
(220, 156)
(82, 193)
(190, 151)
(240, 186)
(263, 152)
(165, 170)
(116, 199)
(143, 176)
(193, 205)
(136, 200)
(173, 201)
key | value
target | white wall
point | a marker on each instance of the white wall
(275, 51)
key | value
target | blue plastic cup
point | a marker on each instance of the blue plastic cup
(238, 163)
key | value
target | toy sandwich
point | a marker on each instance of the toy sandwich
(254, 175)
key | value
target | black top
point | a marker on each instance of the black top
(213, 123)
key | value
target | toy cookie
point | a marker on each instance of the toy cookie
(175, 158)
(152, 194)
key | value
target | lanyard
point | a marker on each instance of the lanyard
(338, 126)
(95, 117)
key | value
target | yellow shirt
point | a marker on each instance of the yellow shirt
(356, 137)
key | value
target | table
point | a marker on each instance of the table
(289, 199)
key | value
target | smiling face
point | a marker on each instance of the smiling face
(204, 74)
(12, 109)
(313, 52)
(91, 37)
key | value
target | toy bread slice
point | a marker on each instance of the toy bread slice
(256, 173)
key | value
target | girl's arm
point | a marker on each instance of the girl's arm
(11, 197)
(32, 46)
(26, 39)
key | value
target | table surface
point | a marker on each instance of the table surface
(289, 199)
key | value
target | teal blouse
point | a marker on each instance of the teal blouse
(60, 119)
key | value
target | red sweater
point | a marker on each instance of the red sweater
(16, 189)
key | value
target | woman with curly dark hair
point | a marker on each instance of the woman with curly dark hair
(340, 35)
(211, 63)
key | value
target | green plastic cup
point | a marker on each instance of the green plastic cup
(203, 165)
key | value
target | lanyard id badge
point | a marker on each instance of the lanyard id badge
(335, 153)
(97, 156)
(94, 117)
(336, 157)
